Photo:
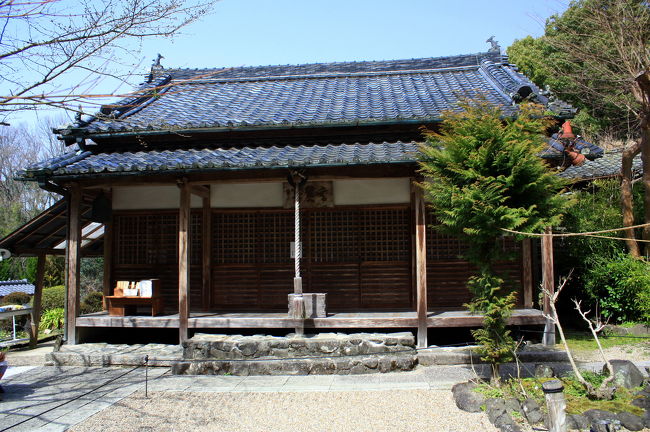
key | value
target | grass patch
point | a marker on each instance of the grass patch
(585, 342)
(574, 393)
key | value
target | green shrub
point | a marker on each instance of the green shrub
(53, 298)
(16, 298)
(92, 302)
(52, 319)
(621, 286)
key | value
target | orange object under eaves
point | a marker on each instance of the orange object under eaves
(566, 132)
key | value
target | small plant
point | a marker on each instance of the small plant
(16, 298)
(53, 298)
(92, 302)
(621, 286)
(53, 319)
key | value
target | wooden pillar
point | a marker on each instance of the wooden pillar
(207, 252)
(421, 266)
(548, 282)
(108, 260)
(527, 261)
(36, 306)
(183, 261)
(73, 263)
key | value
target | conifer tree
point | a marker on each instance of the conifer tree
(482, 174)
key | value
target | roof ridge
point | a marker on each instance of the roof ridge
(334, 62)
(325, 75)
(472, 59)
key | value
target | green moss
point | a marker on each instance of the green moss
(576, 397)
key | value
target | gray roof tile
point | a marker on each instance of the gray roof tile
(322, 94)
(609, 165)
(8, 287)
(206, 159)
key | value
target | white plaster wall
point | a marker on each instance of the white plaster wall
(230, 195)
(149, 197)
(373, 191)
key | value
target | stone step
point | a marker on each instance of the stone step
(238, 347)
(464, 356)
(367, 364)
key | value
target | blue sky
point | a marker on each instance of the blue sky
(263, 32)
(259, 32)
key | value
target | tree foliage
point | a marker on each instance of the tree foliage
(483, 176)
(53, 52)
(589, 55)
(597, 56)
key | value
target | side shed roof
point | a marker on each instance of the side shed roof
(46, 233)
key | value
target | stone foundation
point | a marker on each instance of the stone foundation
(323, 354)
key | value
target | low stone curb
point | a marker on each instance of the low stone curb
(298, 366)
(464, 356)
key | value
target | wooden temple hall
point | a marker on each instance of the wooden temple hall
(218, 196)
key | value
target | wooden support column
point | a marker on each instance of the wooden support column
(108, 260)
(207, 252)
(527, 260)
(183, 261)
(38, 294)
(421, 266)
(548, 282)
(73, 263)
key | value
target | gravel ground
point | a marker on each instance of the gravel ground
(398, 410)
(633, 352)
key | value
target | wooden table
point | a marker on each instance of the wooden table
(127, 305)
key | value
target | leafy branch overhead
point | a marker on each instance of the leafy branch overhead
(54, 52)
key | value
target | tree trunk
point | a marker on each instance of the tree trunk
(627, 205)
(643, 81)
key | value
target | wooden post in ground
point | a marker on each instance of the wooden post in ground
(548, 283)
(527, 261)
(73, 263)
(183, 261)
(421, 267)
(207, 252)
(38, 294)
(556, 405)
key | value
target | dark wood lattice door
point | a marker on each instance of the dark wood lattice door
(360, 257)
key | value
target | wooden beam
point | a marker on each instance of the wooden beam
(202, 191)
(36, 306)
(421, 266)
(73, 263)
(548, 282)
(527, 262)
(183, 261)
(207, 252)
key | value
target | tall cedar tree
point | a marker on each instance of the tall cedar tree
(483, 175)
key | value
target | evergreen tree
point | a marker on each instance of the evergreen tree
(483, 175)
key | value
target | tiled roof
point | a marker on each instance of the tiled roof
(609, 165)
(324, 94)
(8, 287)
(207, 159)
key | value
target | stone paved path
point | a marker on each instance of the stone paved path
(53, 399)
(49, 398)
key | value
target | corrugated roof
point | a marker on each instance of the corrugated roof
(207, 159)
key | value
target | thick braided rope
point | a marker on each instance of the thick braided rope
(297, 247)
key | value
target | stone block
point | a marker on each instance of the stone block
(314, 303)
(626, 374)
(466, 398)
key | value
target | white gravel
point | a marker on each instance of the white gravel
(396, 410)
